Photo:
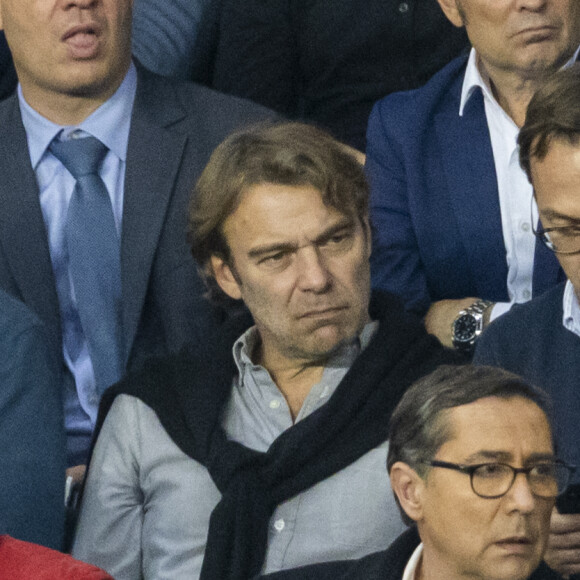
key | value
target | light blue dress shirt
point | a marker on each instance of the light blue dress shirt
(110, 123)
(146, 507)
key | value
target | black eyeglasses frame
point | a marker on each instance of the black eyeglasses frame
(471, 469)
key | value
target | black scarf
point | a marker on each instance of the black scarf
(188, 394)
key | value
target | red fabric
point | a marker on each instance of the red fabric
(25, 561)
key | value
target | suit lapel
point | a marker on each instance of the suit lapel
(22, 230)
(153, 159)
(472, 188)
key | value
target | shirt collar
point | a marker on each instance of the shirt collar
(411, 568)
(475, 79)
(245, 345)
(571, 310)
(472, 81)
(110, 123)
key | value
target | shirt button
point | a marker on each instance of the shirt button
(274, 404)
(527, 294)
(279, 525)
(526, 227)
(403, 7)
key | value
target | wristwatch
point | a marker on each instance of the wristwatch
(469, 325)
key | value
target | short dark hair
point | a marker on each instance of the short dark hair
(419, 425)
(553, 113)
(292, 154)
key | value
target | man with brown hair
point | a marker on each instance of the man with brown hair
(265, 449)
(541, 340)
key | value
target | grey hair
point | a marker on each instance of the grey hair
(419, 425)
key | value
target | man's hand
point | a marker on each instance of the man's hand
(74, 480)
(77, 473)
(563, 553)
(439, 319)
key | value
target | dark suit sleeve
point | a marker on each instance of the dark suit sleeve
(257, 54)
(32, 445)
(488, 349)
(395, 262)
(164, 34)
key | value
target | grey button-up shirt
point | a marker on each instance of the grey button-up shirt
(147, 505)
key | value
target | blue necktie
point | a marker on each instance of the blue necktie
(94, 256)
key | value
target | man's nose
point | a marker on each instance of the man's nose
(313, 274)
(533, 5)
(520, 494)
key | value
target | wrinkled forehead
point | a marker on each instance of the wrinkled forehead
(288, 210)
(497, 428)
(340, 204)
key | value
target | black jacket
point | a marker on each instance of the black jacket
(387, 565)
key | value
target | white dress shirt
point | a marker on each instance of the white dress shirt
(571, 310)
(517, 206)
(410, 572)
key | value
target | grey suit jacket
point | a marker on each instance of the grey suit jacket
(174, 129)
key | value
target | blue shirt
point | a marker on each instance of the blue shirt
(110, 123)
(571, 310)
(143, 488)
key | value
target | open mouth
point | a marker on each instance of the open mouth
(82, 40)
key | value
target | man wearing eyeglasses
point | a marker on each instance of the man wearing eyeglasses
(541, 340)
(473, 467)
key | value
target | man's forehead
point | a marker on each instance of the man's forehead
(556, 174)
(275, 210)
(497, 428)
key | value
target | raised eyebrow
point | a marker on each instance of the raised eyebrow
(261, 251)
(488, 455)
(505, 457)
(540, 457)
(346, 224)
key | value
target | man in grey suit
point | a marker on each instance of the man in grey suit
(77, 83)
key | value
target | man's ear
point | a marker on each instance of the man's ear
(452, 12)
(225, 277)
(408, 487)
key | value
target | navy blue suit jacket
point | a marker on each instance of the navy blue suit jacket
(32, 448)
(531, 341)
(434, 198)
